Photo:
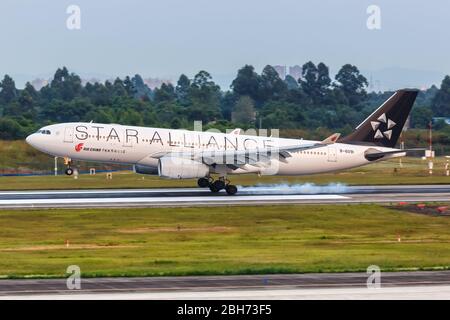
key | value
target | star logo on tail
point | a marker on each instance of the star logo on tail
(383, 127)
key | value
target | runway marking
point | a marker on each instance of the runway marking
(101, 191)
(228, 288)
(209, 199)
(392, 293)
(96, 288)
(245, 189)
(178, 197)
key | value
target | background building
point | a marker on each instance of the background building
(295, 72)
(281, 70)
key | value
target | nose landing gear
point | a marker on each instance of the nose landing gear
(217, 185)
(68, 163)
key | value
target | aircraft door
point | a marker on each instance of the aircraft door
(127, 142)
(68, 134)
(332, 155)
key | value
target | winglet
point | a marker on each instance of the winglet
(331, 139)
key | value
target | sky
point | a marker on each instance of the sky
(165, 38)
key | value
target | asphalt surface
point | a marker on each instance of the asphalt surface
(418, 284)
(258, 195)
(223, 283)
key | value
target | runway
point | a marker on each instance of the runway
(394, 285)
(257, 195)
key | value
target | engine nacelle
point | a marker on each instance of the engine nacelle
(138, 168)
(180, 168)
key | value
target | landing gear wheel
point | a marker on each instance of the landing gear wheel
(213, 188)
(203, 182)
(231, 189)
(219, 184)
(69, 171)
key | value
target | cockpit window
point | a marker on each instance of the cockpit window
(43, 131)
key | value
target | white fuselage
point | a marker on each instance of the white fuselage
(131, 145)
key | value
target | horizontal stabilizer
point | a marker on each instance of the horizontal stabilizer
(372, 154)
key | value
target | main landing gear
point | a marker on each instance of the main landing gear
(68, 163)
(217, 185)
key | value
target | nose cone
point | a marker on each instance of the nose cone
(31, 139)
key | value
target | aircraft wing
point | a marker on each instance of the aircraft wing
(237, 158)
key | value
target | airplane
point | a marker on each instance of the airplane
(183, 154)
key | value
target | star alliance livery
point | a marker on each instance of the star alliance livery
(183, 154)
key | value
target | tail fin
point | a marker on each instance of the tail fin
(384, 125)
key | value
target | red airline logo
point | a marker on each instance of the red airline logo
(79, 147)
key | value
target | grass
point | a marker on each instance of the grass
(224, 240)
(414, 171)
(20, 156)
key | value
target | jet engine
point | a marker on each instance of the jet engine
(138, 168)
(181, 168)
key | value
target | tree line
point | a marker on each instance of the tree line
(315, 100)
